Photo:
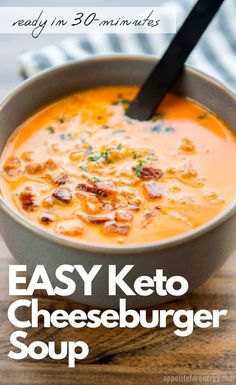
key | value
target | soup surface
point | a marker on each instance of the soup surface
(82, 169)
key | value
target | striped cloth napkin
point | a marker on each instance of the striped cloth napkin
(214, 55)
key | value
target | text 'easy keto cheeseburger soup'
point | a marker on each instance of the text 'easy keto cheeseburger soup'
(81, 168)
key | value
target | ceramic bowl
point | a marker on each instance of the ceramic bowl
(195, 255)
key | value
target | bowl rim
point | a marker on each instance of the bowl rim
(107, 248)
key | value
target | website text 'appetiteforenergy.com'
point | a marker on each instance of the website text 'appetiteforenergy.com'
(183, 320)
(36, 20)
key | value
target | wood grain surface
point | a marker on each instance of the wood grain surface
(128, 357)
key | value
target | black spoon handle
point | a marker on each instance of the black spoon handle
(170, 66)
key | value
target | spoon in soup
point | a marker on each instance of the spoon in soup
(170, 66)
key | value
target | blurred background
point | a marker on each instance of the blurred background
(215, 55)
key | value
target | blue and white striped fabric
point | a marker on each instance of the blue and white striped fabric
(214, 55)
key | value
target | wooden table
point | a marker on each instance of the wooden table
(128, 357)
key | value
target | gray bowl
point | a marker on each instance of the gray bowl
(195, 255)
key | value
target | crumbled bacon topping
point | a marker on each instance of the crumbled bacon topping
(149, 171)
(46, 218)
(114, 227)
(93, 205)
(135, 203)
(61, 179)
(95, 219)
(27, 199)
(107, 186)
(55, 173)
(133, 206)
(12, 165)
(123, 215)
(70, 227)
(91, 189)
(62, 195)
(153, 190)
(149, 215)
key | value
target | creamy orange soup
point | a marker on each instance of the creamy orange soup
(81, 168)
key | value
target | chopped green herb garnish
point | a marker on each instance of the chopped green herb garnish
(95, 179)
(169, 129)
(94, 158)
(138, 169)
(118, 132)
(105, 155)
(134, 155)
(156, 129)
(66, 136)
(203, 115)
(51, 129)
(83, 167)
